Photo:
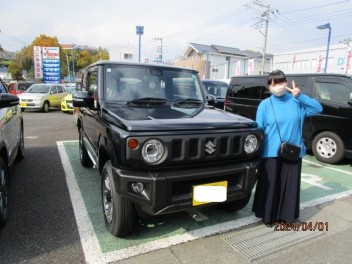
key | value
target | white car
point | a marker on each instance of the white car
(42, 96)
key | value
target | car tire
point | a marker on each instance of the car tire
(20, 149)
(46, 106)
(83, 154)
(119, 213)
(235, 205)
(328, 147)
(4, 178)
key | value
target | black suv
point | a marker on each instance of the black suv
(329, 134)
(216, 92)
(158, 145)
(11, 143)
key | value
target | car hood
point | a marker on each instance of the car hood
(31, 95)
(170, 118)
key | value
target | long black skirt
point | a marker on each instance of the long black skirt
(277, 194)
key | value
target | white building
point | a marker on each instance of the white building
(219, 62)
(313, 60)
(124, 53)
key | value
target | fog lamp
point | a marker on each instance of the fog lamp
(137, 187)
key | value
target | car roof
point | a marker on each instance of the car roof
(162, 66)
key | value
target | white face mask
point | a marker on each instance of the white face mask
(278, 89)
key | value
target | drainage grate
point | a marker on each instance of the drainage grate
(259, 241)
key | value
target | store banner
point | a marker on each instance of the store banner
(37, 58)
(250, 70)
(348, 69)
(51, 65)
(238, 68)
(320, 61)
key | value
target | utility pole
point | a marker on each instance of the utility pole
(265, 16)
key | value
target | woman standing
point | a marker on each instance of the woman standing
(277, 195)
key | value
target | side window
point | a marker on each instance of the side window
(92, 83)
(59, 89)
(250, 88)
(333, 92)
(53, 90)
(2, 88)
(303, 83)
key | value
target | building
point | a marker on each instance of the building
(219, 62)
(124, 53)
(313, 60)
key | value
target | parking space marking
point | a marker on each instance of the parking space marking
(327, 167)
(313, 180)
(88, 232)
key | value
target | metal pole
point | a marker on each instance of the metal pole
(139, 48)
(265, 37)
(73, 65)
(68, 67)
(327, 51)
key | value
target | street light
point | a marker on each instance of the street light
(325, 26)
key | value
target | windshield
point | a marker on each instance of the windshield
(151, 84)
(217, 89)
(38, 88)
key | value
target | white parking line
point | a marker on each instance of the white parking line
(327, 167)
(90, 243)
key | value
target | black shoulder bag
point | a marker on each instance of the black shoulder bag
(287, 150)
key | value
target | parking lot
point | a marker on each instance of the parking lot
(56, 216)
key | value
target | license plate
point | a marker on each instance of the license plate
(23, 104)
(209, 193)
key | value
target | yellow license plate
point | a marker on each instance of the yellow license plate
(23, 104)
(209, 193)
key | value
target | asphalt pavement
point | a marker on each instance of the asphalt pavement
(42, 226)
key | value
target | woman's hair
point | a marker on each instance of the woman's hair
(276, 77)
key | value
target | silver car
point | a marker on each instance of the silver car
(42, 96)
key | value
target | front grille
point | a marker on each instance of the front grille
(27, 100)
(205, 147)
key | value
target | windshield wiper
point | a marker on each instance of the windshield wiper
(188, 102)
(147, 100)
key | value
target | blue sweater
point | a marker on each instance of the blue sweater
(290, 113)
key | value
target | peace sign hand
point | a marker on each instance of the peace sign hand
(294, 90)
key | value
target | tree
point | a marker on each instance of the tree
(15, 70)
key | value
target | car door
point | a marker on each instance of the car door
(61, 93)
(53, 96)
(90, 117)
(9, 126)
(334, 92)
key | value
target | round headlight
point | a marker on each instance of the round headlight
(250, 144)
(153, 151)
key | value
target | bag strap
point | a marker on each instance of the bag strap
(272, 106)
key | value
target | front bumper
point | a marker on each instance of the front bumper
(171, 191)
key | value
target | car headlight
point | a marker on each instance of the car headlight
(250, 144)
(152, 151)
(38, 98)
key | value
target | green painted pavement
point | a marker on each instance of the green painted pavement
(317, 181)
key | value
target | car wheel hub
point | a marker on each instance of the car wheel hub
(326, 147)
(107, 200)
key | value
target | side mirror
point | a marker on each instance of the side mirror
(211, 99)
(8, 100)
(82, 99)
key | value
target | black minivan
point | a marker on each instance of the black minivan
(329, 134)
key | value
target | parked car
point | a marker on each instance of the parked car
(216, 92)
(11, 144)
(42, 96)
(328, 134)
(157, 144)
(19, 87)
(66, 103)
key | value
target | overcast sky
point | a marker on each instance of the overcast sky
(112, 23)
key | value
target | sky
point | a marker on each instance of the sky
(111, 24)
